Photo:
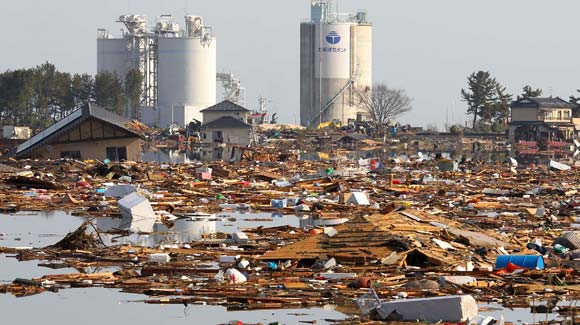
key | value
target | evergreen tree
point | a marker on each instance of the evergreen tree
(16, 97)
(575, 100)
(481, 89)
(82, 86)
(529, 92)
(486, 99)
(133, 91)
(108, 92)
(40, 96)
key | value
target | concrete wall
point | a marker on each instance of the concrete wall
(239, 136)
(212, 116)
(307, 70)
(91, 149)
(520, 114)
(112, 56)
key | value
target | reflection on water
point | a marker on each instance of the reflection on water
(36, 229)
(192, 228)
(386, 154)
(40, 229)
(74, 305)
(98, 306)
(204, 154)
(11, 268)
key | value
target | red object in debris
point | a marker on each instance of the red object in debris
(512, 267)
(396, 181)
(363, 282)
(84, 184)
(316, 231)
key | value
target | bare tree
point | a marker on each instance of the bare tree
(384, 104)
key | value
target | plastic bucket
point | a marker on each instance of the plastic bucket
(525, 261)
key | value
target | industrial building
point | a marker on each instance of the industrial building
(335, 64)
(178, 68)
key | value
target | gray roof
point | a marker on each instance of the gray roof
(227, 122)
(542, 102)
(73, 120)
(225, 106)
(355, 136)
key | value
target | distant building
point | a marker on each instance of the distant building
(226, 122)
(87, 133)
(541, 119)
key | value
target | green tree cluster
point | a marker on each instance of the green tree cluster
(529, 92)
(487, 100)
(42, 95)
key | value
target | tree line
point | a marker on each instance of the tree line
(488, 101)
(37, 97)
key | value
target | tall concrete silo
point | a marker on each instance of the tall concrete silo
(187, 73)
(335, 63)
(178, 66)
(112, 55)
(134, 49)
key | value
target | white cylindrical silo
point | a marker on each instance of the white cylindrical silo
(112, 56)
(187, 78)
(335, 63)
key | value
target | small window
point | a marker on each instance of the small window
(218, 136)
(205, 136)
(71, 154)
(218, 153)
(117, 153)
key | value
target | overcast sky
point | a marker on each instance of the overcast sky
(426, 47)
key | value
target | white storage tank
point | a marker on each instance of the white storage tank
(187, 78)
(185, 230)
(335, 63)
(112, 56)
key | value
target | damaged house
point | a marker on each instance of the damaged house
(541, 120)
(226, 122)
(87, 133)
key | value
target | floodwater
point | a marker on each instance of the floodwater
(101, 306)
(190, 155)
(185, 231)
(98, 306)
(229, 154)
(172, 155)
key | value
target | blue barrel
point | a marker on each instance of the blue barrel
(526, 261)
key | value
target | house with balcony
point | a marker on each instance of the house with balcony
(226, 122)
(540, 120)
